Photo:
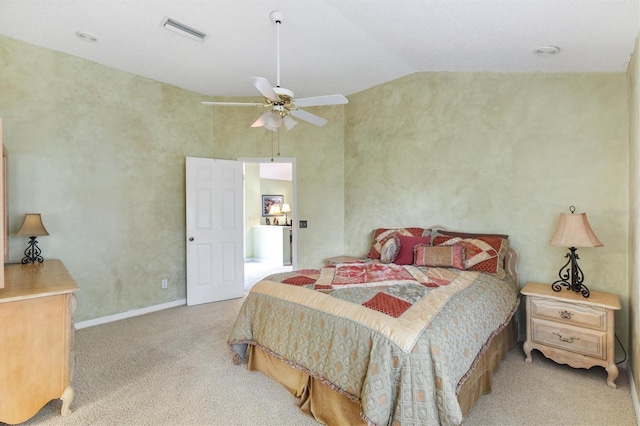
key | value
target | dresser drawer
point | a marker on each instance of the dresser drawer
(569, 313)
(592, 343)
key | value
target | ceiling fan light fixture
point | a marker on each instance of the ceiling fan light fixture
(274, 120)
(270, 127)
(289, 122)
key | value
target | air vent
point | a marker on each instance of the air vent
(183, 29)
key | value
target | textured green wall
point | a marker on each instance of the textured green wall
(501, 153)
(633, 75)
(100, 153)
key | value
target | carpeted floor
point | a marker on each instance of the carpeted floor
(173, 367)
(255, 271)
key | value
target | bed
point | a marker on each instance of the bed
(410, 334)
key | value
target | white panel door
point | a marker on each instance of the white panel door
(215, 230)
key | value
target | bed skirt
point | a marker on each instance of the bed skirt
(330, 407)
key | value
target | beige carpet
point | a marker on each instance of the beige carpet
(173, 368)
(255, 271)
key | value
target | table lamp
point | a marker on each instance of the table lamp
(32, 227)
(274, 210)
(286, 208)
(573, 231)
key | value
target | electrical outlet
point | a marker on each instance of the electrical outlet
(165, 283)
(303, 224)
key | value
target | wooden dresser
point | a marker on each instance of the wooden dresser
(36, 339)
(571, 329)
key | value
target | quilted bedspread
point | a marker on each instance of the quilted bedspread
(398, 339)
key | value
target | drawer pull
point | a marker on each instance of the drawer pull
(565, 338)
(565, 314)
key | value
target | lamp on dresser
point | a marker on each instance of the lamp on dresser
(573, 231)
(286, 208)
(32, 227)
(274, 210)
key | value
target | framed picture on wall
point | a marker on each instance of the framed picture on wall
(272, 205)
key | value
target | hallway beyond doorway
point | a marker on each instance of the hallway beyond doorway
(255, 271)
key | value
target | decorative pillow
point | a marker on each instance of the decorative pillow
(405, 254)
(382, 235)
(440, 256)
(484, 253)
(390, 249)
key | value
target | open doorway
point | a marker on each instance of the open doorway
(269, 210)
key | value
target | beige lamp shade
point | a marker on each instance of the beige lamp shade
(286, 208)
(574, 231)
(32, 226)
(275, 209)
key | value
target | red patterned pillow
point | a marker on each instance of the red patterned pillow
(390, 249)
(440, 256)
(483, 253)
(382, 235)
(405, 255)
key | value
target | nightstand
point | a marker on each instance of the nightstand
(571, 329)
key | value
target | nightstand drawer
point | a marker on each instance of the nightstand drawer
(579, 340)
(569, 313)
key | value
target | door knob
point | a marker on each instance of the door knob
(190, 238)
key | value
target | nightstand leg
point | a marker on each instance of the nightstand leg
(612, 371)
(67, 398)
(527, 350)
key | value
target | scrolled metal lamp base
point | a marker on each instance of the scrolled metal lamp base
(32, 253)
(572, 273)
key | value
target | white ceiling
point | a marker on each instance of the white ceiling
(329, 46)
(276, 170)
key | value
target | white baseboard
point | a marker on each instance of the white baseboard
(634, 394)
(130, 314)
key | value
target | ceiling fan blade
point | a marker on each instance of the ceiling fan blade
(321, 100)
(252, 104)
(262, 120)
(263, 85)
(289, 122)
(307, 116)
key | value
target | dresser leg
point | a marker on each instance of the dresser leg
(612, 371)
(67, 399)
(527, 350)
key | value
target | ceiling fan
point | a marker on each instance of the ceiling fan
(282, 104)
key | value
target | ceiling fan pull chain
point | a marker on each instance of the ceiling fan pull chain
(278, 141)
(272, 146)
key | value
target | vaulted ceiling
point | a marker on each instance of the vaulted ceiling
(328, 46)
